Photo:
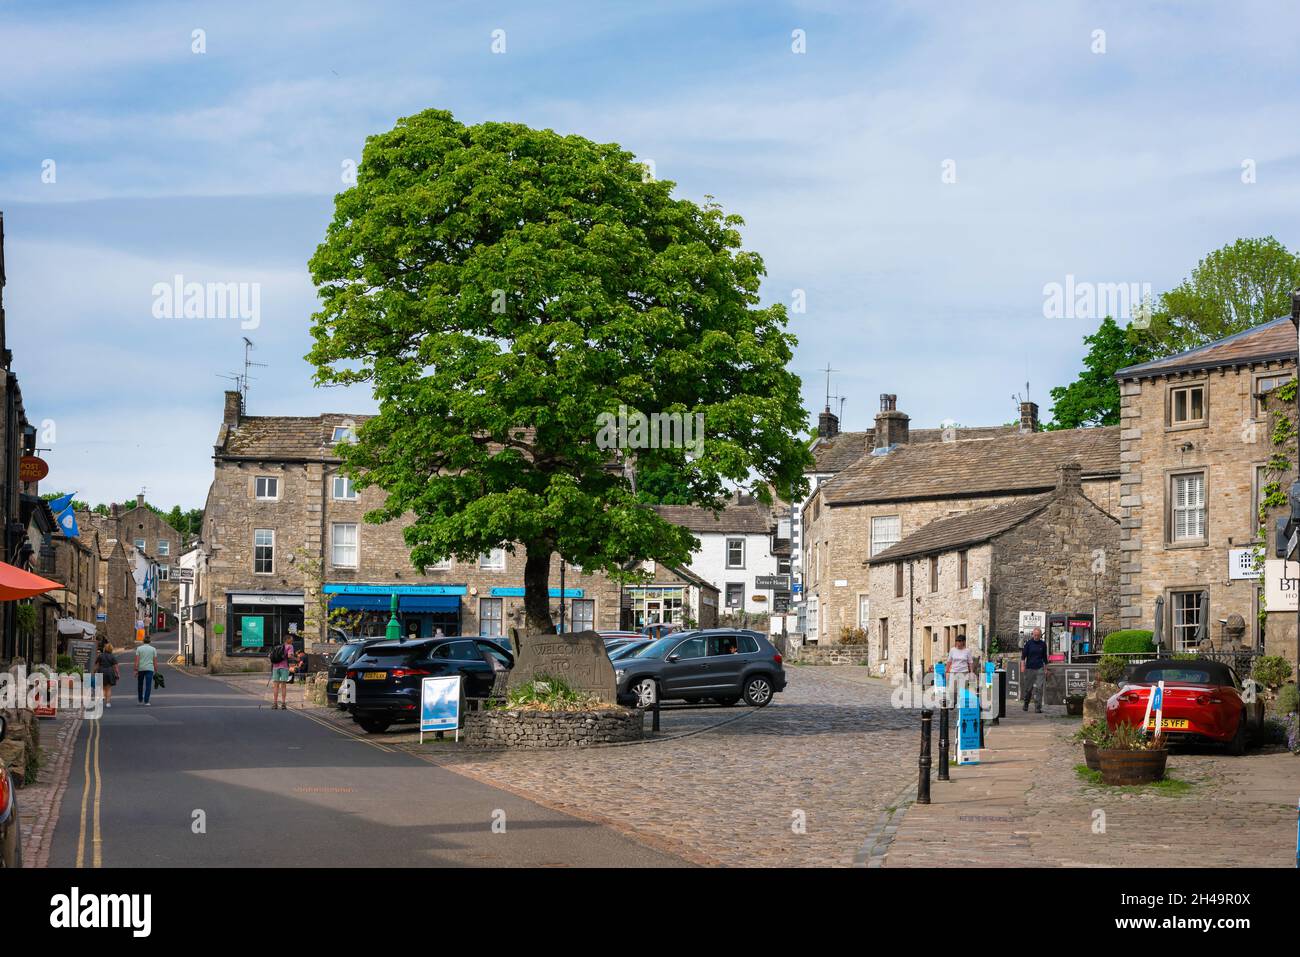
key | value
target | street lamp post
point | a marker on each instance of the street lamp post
(394, 632)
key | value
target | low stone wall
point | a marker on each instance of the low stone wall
(551, 729)
(830, 654)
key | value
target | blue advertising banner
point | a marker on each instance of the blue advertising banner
(968, 733)
(440, 705)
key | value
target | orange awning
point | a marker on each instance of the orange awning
(16, 583)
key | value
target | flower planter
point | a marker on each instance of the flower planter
(1131, 767)
(1091, 756)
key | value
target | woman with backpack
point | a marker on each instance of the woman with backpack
(281, 655)
(106, 667)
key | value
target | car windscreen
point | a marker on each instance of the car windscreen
(660, 648)
(347, 653)
(629, 651)
(1191, 674)
(388, 655)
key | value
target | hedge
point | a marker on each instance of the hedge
(1129, 641)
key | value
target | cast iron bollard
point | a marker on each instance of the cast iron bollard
(923, 785)
(943, 741)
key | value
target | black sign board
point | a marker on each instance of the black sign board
(1077, 681)
(83, 651)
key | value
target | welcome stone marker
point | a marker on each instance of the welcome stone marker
(578, 658)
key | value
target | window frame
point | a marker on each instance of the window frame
(1170, 403)
(1172, 509)
(257, 496)
(1175, 629)
(1259, 408)
(485, 604)
(482, 559)
(727, 546)
(872, 547)
(271, 564)
(934, 573)
(898, 579)
(963, 568)
(335, 544)
(347, 486)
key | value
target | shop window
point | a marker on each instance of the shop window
(489, 617)
(584, 614)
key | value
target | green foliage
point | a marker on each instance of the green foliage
(1110, 669)
(504, 290)
(25, 619)
(1271, 670)
(1128, 737)
(548, 693)
(1288, 700)
(1092, 732)
(63, 664)
(995, 647)
(1128, 641)
(1241, 285)
(1093, 398)
(852, 635)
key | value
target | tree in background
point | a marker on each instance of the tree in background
(505, 289)
(1093, 398)
(1234, 288)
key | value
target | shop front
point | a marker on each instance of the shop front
(652, 604)
(257, 620)
(422, 610)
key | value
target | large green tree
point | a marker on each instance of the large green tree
(1241, 285)
(501, 288)
(1093, 398)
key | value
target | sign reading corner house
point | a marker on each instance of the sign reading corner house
(1281, 585)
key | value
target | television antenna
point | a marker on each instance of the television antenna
(248, 362)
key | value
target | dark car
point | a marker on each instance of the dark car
(659, 629)
(387, 676)
(627, 649)
(338, 667)
(11, 836)
(719, 664)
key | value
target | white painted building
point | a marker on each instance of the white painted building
(736, 549)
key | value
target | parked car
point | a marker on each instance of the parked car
(659, 629)
(387, 676)
(612, 636)
(338, 666)
(11, 834)
(1203, 700)
(720, 664)
(627, 650)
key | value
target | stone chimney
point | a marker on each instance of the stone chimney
(1028, 416)
(1069, 479)
(234, 408)
(891, 425)
(113, 509)
(139, 499)
(828, 424)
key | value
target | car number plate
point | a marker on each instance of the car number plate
(374, 676)
(1172, 723)
(334, 685)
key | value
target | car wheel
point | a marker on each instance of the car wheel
(645, 692)
(758, 691)
(373, 725)
(727, 702)
(1238, 745)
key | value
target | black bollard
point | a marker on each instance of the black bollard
(943, 741)
(654, 723)
(923, 785)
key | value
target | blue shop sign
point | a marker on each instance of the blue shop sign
(519, 593)
(347, 588)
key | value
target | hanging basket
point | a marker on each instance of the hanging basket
(1132, 767)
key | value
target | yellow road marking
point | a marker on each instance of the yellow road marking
(89, 813)
(85, 796)
(99, 842)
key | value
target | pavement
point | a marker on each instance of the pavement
(1025, 805)
(209, 776)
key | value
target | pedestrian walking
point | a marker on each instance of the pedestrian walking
(146, 662)
(281, 655)
(961, 661)
(1033, 670)
(107, 669)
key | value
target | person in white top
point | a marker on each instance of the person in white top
(961, 661)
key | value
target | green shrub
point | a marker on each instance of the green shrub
(63, 664)
(1288, 700)
(1092, 732)
(548, 693)
(1272, 670)
(1131, 641)
(1110, 669)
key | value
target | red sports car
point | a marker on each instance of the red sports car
(1202, 700)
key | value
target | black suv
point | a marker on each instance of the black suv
(387, 676)
(720, 664)
(338, 667)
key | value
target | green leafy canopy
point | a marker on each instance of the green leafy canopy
(500, 287)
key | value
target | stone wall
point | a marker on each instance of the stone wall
(1230, 445)
(836, 654)
(546, 729)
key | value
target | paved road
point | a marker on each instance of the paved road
(276, 788)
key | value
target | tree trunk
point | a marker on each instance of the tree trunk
(537, 591)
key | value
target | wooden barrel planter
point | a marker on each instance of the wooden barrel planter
(1131, 767)
(1091, 756)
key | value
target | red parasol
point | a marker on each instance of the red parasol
(16, 583)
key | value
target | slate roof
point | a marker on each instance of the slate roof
(959, 531)
(1016, 463)
(837, 453)
(733, 520)
(285, 437)
(1271, 341)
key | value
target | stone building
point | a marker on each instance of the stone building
(973, 573)
(903, 486)
(283, 527)
(1195, 448)
(144, 530)
(71, 611)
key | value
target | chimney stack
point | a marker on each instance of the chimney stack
(139, 499)
(1069, 480)
(1028, 416)
(891, 425)
(828, 424)
(234, 408)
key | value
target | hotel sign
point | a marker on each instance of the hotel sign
(1281, 585)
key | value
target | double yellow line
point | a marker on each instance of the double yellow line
(87, 812)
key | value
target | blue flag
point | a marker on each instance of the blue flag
(1157, 698)
(68, 523)
(59, 504)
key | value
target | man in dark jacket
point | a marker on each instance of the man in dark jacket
(1033, 669)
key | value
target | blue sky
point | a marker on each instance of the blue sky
(1122, 166)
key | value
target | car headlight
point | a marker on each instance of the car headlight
(619, 673)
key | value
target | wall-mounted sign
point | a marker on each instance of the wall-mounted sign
(1242, 565)
(977, 590)
(1281, 585)
(182, 574)
(1029, 620)
(32, 468)
(772, 582)
(250, 631)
